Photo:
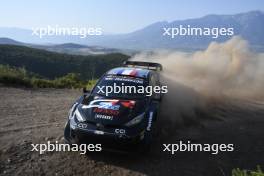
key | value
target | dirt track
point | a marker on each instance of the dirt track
(35, 116)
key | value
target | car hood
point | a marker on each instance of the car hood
(109, 111)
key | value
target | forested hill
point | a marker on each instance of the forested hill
(51, 65)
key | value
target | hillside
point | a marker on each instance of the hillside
(51, 65)
(9, 41)
(67, 48)
(76, 49)
(248, 25)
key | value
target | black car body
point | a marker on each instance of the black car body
(117, 120)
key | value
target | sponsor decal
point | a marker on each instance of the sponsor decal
(101, 116)
(106, 111)
(150, 121)
(125, 79)
(120, 131)
(103, 104)
(82, 125)
(109, 105)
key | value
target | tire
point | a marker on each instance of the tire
(67, 133)
(148, 137)
(145, 145)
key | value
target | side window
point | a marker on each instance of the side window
(154, 82)
(157, 80)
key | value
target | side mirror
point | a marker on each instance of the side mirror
(85, 90)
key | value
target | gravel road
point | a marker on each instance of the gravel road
(38, 115)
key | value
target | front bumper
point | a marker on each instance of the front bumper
(108, 136)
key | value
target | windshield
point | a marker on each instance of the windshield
(120, 87)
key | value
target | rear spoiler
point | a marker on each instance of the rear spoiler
(148, 65)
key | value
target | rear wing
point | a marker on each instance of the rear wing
(149, 65)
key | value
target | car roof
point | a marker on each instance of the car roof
(129, 71)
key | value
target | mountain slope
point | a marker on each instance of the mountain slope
(76, 49)
(249, 25)
(68, 48)
(52, 65)
(9, 41)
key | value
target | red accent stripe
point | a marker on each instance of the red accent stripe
(133, 73)
(115, 102)
(128, 103)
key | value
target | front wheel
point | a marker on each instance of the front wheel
(67, 133)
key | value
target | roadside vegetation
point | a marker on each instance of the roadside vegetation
(12, 76)
(29, 67)
(239, 172)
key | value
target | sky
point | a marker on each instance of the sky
(113, 16)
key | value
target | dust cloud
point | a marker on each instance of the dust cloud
(222, 71)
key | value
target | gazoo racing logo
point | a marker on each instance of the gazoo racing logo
(108, 107)
(103, 104)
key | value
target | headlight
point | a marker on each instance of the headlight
(79, 116)
(136, 120)
(71, 111)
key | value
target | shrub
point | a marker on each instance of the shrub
(20, 77)
(239, 172)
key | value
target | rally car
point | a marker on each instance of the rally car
(117, 120)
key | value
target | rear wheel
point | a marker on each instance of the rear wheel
(146, 142)
(148, 136)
